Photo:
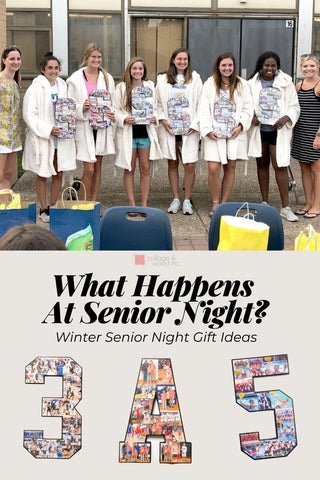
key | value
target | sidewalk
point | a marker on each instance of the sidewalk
(189, 232)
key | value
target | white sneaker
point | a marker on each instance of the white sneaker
(44, 215)
(175, 206)
(187, 208)
(264, 203)
(288, 214)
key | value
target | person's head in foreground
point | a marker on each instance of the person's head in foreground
(30, 237)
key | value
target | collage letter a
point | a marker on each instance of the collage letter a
(155, 385)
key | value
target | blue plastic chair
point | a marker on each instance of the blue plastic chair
(264, 213)
(135, 228)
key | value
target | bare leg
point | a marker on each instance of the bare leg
(88, 170)
(7, 161)
(189, 178)
(128, 179)
(41, 189)
(96, 179)
(145, 178)
(173, 173)
(214, 183)
(315, 169)
(307, 182)
(282, 178)
(263, 164)
(228, 179)
(56, 183)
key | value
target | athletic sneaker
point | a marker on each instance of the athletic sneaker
(175, 206)
(187, 208)
(44, 215)
(264, 203)
(288, 214)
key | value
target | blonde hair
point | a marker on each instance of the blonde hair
(305, 58)
(127, 80)
(95, 47)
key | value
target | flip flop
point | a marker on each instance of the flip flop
(301, 211)
(312, 215)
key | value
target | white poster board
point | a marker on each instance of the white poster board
(105, 312)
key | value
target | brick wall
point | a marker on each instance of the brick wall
(2, 24)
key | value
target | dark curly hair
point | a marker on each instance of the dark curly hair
(262, 58)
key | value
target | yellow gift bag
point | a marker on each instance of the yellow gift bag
(307, 240)
(12, 199)
(242, 232)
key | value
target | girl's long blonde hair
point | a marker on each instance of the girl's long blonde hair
(95, 47)
(127, 80)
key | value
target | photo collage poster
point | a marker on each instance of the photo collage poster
(101, 104)
(142, 105)
(269, 106)
(178, 110)
(224, 116)
(65, 116)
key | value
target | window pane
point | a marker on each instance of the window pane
(172, 4)
(101, 28)
(97, 5)
(33, 46)
(29, 4)
(155, 40)
(283, 4)
(316, 37)
(28, 19)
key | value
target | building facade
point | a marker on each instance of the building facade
(127, 28)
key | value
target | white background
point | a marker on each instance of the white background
(202, 371)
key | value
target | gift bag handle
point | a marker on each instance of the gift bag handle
(248, 215)
(70, 189)
(7, 191)
(309, 232)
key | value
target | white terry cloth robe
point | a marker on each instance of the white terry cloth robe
(39, 148)
(190, 143)
(87, 150)
(123, 137)
(223, 149)
(289, 105)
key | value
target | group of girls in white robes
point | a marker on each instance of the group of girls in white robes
(223, 120)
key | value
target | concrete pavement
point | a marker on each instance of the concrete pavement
(189, 232)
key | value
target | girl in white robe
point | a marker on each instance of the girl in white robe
(276, 109)
(91, 144)
(178, 98)
(133, 139)
(44, 153)
(225, 116)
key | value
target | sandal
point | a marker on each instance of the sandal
(213, 208)
(301, 211)
(311, 214)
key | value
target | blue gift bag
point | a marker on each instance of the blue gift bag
(17, 216)
(66, 221)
